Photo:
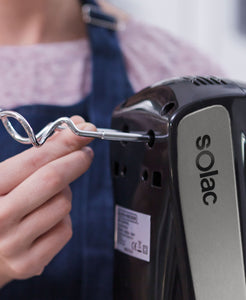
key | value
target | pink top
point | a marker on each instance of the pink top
(60, 73)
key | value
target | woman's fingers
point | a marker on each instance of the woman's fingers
(21, 236)
(41, 220)
(46, 182)
(14, 170)
(49, 244)
(36, 201)
(33, 260)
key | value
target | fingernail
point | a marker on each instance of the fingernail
(88, 151)
(89, 127)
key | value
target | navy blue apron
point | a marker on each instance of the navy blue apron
(84, 268)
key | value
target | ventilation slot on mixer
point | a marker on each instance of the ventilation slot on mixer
(210, 80)
(145, 175)
(116, 168)
(123, 171)
(156, 179)
(119, 169)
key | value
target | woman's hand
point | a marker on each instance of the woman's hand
(36, 200)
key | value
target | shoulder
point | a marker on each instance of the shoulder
(152, 54)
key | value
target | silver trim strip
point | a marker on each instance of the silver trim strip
(208, 196)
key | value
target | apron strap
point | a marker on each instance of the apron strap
(110, 86)
(109, 73)
(92, 14)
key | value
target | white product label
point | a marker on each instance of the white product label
(132, 233)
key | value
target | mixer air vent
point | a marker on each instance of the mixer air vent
(210, 80)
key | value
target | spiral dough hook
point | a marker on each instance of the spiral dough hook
(61, 123)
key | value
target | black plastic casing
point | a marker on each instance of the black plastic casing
(145, 180)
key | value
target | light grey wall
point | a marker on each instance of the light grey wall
(210, 25)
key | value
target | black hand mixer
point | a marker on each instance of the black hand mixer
(180, 206)
(179, 192)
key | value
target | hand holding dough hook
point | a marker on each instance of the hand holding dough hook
(40, 138)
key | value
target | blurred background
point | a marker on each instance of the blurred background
(216, 27)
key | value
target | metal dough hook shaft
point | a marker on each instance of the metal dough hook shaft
(40, 138)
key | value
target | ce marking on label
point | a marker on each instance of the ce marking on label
(139, 247)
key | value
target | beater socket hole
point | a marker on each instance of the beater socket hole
(125, 128)
(151, 138)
